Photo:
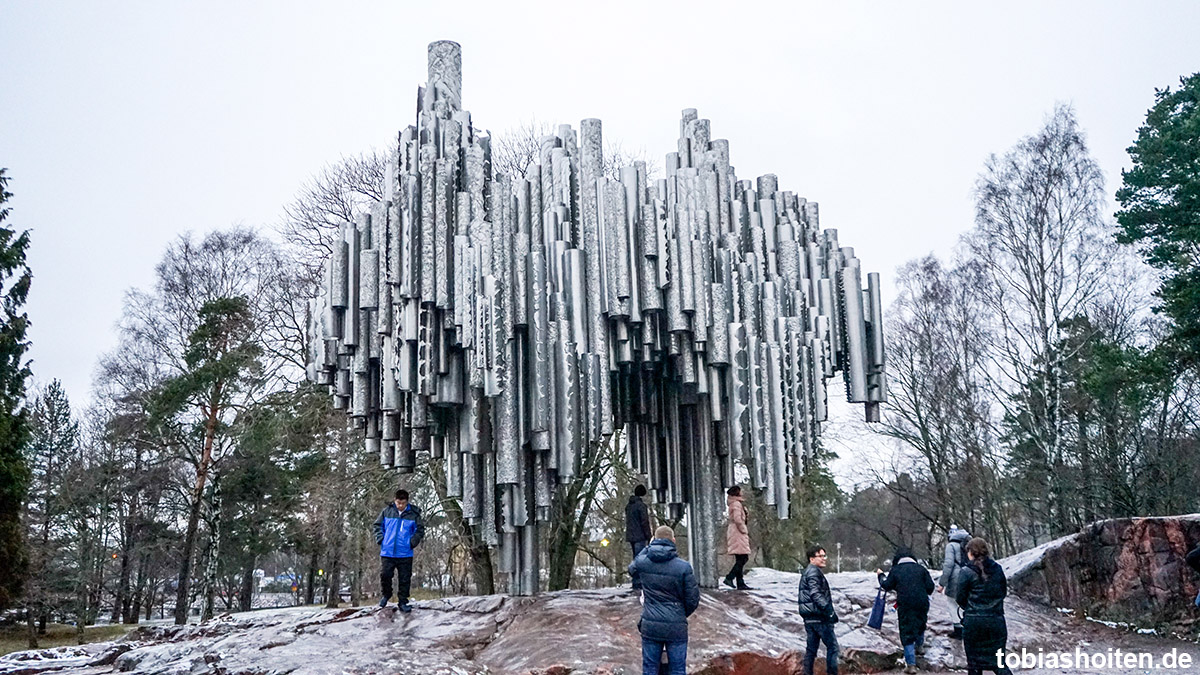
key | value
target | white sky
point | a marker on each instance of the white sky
(124, 124)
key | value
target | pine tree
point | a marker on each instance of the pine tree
(14, 370)
(1160, 205)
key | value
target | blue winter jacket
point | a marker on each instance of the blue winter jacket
(398, 533)
(670, 591)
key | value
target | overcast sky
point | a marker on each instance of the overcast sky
(125, 124)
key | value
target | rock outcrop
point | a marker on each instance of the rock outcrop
(1126, 569)
(584, 631)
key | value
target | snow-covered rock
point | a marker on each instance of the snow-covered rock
(1122, 569)
(579, 631)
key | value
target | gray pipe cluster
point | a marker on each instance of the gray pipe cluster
(511, 325)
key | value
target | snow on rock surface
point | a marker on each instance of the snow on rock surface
(1122, 569)
(584, 631)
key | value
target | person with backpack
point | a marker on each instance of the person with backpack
(816, 607)
(980, 591)
(913, 585)
(954, 560)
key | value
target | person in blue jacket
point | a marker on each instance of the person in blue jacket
(669, 596)
(398, 531)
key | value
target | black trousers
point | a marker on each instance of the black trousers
(389, 566)
(739, 567)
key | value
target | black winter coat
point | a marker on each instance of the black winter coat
(637, 520)
(912, 584)
(816, 602)
(982, 600)
(669, 590)
(1193, 559)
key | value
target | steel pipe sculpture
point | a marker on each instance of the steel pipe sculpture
(510, 325)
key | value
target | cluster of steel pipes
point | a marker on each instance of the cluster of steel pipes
(515, 325)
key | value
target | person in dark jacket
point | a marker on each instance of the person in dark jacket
(953, 561)
(816, 607)
(398, 531)
(981, 590)
(669, 596)
(637, 521)
(912, 584)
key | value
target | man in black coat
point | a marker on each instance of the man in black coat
(669, 596)
(816, 606)
(912, 584)
(637, 521)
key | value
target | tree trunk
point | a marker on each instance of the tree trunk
(182, 596)
(481, 557)
(32, 625)
(310, 590)
(246, 597)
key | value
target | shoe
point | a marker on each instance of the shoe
(383, 602)
(405, 607)
(744, 587)
(729, 582)
(909, 670)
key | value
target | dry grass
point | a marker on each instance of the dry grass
(15, 638)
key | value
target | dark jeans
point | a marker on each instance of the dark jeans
(739, 567)
(676, 654)
(392, 565)
(818, 633)
(636, 547)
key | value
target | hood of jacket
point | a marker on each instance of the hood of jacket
(662, 550)
(960, 535)
(730, 499)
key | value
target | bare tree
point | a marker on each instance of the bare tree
(1042, 245)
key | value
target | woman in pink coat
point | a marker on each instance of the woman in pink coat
(737, 538)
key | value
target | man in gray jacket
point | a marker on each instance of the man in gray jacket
(954, 559)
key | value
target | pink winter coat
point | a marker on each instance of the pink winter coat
(737, 536)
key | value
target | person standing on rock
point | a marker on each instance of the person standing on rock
(398, 531)
(670, 595)
(953, 561)
(981, 590)
(637, 522)
(912, 584)
(737, 538)
(816, 607)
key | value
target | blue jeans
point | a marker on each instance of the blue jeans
(910, 651)
(676, 654)
(818, 633)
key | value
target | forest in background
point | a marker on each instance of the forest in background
(1043, 377)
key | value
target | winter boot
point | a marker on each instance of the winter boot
(744, 587)
(405, 607)
(909, 670)
(729, 582)
(383, 602)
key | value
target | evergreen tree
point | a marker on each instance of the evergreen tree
(14, 474)
(52, 445)
(1160, 201)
